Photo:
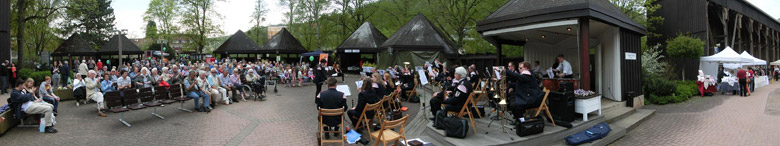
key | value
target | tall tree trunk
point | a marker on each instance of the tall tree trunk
(21, 5)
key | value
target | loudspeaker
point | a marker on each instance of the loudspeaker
(562, 105)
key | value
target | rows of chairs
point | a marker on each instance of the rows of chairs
(137, 99)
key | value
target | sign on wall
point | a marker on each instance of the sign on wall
(630, 56)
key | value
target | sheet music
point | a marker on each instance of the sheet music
(550, 73)
(344, 89)
(359, 84)
(498, 74)
(423, 79)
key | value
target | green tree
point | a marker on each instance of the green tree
(198, 20)
(311, 11)
(165, 13)
(151, 30)
(290, 14)
(42, 10)
(258, 34)
(94, 19)
(258, 16)
(642, 12)
(684, 47)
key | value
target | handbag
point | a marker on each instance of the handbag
(530, 127)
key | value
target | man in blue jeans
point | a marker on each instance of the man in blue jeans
(196, 89)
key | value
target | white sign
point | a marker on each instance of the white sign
(630, 56)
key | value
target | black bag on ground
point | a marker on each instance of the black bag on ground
(456, 127)
(395, 115)
(438, 120)
(594, 133)
(474, 110)
(414, 99)
(530, 127)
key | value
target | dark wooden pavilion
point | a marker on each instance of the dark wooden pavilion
(284, 45)
(74, 46)
(239, 45)
(416, 42)
(362, 45)
(110, 50)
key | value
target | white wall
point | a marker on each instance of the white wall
(610, 63)
(546, 53)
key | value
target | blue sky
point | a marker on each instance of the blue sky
(236, 14)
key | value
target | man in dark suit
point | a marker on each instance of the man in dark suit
(4, 77)
(319, 75)
(457, 93)
(65, 71)
(368, 95)
(331, 99)
(526, 93)
(407, 82)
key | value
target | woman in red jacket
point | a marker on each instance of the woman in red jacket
(742, 76)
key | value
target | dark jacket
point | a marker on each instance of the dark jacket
(331, 99)
(364, 98)
(526, 92)
(319, 74)
(407, 81)
(381, 91)
(17, 99)
(65, 70)
(4, 70)
(458, 96)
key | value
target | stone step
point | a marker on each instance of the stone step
(617, 113)
(633, 120)
(608, 104)
(616, 133)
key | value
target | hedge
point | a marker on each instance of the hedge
(38, 76)
(682, 91)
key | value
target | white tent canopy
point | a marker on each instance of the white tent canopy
(728, 55)
(775, 63)
(745, 55)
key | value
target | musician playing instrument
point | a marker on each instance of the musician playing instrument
(456, 94)
(526, 93)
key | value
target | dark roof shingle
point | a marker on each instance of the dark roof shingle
(282, 42)
(366, 38)
(112, 47)
(420, 34)
(74, 45)
(238, 43)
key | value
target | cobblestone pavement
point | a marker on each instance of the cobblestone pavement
(285, 118)
(719, 120)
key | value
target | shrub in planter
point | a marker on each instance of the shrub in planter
(38, 76)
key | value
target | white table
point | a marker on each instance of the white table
(587, 105)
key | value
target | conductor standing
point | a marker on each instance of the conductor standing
(319, 76)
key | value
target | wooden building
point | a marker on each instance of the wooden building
(240, 46)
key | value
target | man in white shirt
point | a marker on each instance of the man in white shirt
(564, 68)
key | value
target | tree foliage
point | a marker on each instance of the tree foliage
(642, 12)
(198, 21)
(94, 19)
(151, 30)
(30, 21)
(684, 46)
(166, 14)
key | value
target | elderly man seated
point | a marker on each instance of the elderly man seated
(456, 94)
(93, 91)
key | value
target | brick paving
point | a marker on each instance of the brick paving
(719, 120)
(285, 118)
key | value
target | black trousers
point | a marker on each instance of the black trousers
(319, 89)
(438, 100)
(742, 87)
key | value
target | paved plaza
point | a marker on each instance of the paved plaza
(286, 118)
(718, 120)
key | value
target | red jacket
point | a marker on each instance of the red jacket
(751, 74)
(741, 74)
(99, 65)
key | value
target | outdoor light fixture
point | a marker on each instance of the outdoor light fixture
(526, 39)
(542, 36)
(568, 29)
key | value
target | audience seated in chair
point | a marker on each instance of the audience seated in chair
(196, 88)
(93, 91)
(46, 92)
(331, 99)
(24, 101)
